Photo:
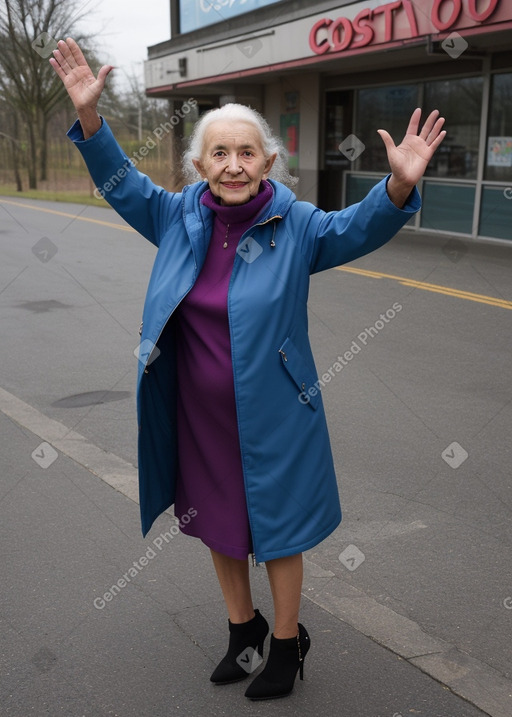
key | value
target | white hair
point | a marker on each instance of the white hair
(238, 113)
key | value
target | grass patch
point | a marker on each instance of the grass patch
(54, 196)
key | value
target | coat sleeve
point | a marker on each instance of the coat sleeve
(335, 238)
(148, 208)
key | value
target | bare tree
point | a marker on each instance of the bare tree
(131, 108)
(29, 88)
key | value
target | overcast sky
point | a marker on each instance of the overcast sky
(125, 28)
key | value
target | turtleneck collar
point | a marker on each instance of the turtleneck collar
(238, 213)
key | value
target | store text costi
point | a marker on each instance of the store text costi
(378, 25)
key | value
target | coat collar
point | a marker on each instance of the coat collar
(279, 206)
(198, 218)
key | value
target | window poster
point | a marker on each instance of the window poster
(499, 152)
(290, 136)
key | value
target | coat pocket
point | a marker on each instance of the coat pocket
(301, 373)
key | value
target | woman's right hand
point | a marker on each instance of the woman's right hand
(83, 88)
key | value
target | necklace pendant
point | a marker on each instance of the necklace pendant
(225, 245)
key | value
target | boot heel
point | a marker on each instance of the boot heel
(286, 658)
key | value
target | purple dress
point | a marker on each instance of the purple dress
(210, 477)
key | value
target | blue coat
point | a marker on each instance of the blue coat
(290, 483)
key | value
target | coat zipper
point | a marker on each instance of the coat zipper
(253, 554)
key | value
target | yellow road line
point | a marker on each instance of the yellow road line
(435, 288)
(66, 214)
(362, 272)
(405, 281)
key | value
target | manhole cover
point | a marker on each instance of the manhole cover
(91, 398)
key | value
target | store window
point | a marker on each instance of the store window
(498, 165)
(382, 107)
(496, 206)
(450, 207)
(496, 212)
(338, 124)
(460, 102)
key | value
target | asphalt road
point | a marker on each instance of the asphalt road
(413, 343)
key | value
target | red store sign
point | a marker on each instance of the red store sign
(403, 20)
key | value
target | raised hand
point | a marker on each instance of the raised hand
(409, 160)
(83, 87)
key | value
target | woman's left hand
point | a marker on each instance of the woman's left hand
(409, 160)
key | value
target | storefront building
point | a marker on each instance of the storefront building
(327, 75)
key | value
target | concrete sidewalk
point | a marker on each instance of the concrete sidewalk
(148, 649)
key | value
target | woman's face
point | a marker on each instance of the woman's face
(233, 161)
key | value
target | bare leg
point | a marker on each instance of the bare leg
(233, 577)
(285, 577)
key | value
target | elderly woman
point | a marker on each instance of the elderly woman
(231, 429)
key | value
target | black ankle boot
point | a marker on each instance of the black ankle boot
(285, 658)
(244, 639)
